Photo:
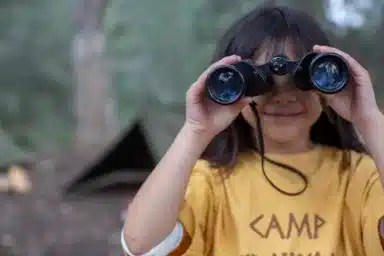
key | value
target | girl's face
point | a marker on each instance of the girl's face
(286, 113)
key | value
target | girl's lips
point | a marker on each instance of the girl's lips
(283, 114)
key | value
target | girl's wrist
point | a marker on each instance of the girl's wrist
(371, 129)
(196, 137)
(368, 123)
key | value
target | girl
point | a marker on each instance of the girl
(302, 184)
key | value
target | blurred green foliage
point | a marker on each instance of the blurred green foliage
(35, 76)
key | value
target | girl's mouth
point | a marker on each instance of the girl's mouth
(283, 114)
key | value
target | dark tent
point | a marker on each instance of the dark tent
(128, 160)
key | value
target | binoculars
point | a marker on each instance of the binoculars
(326, 72)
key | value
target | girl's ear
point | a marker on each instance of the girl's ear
(326, 109)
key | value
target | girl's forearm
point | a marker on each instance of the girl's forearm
(372, 132)
(153, 212)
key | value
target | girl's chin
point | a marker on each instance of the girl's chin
(283, 119)
(284, 132)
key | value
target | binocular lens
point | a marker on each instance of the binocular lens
(226, 85)
(329, 75)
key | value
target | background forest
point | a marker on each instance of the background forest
(76, 72)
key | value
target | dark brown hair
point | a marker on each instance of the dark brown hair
(246, 38)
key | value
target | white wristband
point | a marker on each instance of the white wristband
(170, 243)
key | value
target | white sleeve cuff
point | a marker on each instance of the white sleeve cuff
(170, 243)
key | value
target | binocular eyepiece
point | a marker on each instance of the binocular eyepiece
(326, 72)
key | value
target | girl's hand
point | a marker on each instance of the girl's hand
(356, 103)
(205, 116)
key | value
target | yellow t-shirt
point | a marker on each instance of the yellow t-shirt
(243, 215)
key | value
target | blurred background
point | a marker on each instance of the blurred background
(92, 94)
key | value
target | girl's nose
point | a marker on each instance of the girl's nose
(284, 89)
(283, 83)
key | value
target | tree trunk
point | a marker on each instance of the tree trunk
(94, 102)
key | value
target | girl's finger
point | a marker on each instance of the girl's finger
(224, 61)
(243, 102)
(239, 105)
(325, 98)
(356, 69)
